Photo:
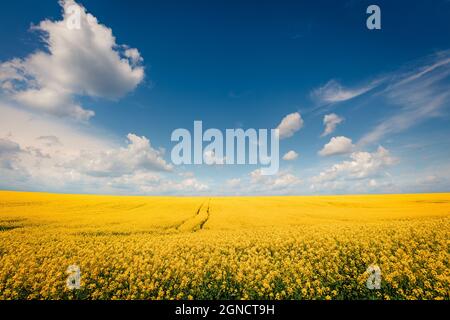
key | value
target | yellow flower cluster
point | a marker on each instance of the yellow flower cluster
(224, 248)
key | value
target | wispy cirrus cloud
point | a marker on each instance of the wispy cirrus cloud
(333, 92)
(418, 94)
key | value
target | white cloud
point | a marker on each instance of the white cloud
(441, 61)
(134, 55)
(254, 183)
(47, 133)
(418, 95)
(233, 182)
(135, 169)
(154, 183)
(290, 124)
(282, 182)
(290, 155)
(40, 154)
(187, 174)
(330, 121)
(285, 180)
(49, 140)
(414, 93)
(428, 180)
(362, 165)
(210, 158)
(9, 152)
(188, 185)
(137, 156)
(76, 62)
(7, 146)
(333, 92)
(337, 145)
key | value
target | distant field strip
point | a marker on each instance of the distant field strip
(311, 247)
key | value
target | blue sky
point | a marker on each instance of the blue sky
(230, 64)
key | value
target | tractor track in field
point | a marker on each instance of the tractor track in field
(207, 216)
(178, 227)
(199, 225)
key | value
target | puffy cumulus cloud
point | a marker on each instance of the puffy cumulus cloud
(282, 182)
(19, 163)
(156, 183)
(134, 55)
(186, 174)
(8, 147)
(83, 61)
(430, 179)
(40, 154)
(49, 134)
(134, 169)
(285, 180)
(210, 158)
(186, 185)
(137, 156)
(433, 179)
(337, 145)
(356, 187)
(9, 152)
(49, 140)
(333, 92)
(373, 183)
(290, 155)
(289, 125)
(361, 166)
(255, 183)
(235, 182)
(330, 121)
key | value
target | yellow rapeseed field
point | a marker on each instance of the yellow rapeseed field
(316, 247)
